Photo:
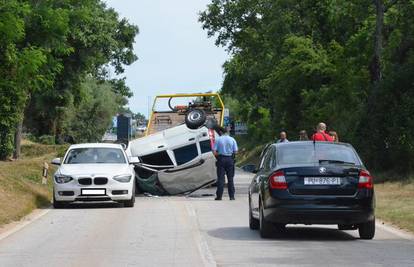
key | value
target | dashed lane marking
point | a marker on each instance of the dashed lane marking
(202, 245)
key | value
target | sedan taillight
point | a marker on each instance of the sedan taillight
(278, 181)
(365, 180)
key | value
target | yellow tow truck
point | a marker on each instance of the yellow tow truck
(203, 106)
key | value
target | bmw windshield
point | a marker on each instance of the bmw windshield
(95, 155)
(320, 152)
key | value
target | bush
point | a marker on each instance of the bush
(30, 137)
(47, 139)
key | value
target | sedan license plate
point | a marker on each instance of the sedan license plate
(322, 181)
(93, 192)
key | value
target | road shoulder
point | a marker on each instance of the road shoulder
(395, 230)
(13, 227)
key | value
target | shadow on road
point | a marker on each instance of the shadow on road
(291, 233)
(94, 205)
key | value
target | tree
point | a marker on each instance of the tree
(100, 41)
(284, 55)
(89, 119)
(305, 61)
(20, 70)
(47, 50)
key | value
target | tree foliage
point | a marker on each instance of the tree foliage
(306, 61)
(48, 51)
(92, 116)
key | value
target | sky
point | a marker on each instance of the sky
(174, 53)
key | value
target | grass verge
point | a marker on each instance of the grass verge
(21, 190)
(395, 203)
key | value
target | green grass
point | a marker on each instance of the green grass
(21, 190)
(249, 152)
(395, 203)
(33, 150)
(246, 156)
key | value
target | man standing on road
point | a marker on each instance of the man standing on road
(225, 149)
(283, 138)
(321, 134)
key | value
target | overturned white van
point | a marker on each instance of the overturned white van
(176, 155)
(175, 161)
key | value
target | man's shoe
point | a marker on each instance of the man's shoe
(217, 198)
(232, 198)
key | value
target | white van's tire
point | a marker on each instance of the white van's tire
(195, 118)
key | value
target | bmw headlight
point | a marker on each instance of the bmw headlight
(123, 178)
(62, 179)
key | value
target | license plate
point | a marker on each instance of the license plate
(322, 181)
(93, 192)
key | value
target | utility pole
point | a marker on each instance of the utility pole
(149, 107)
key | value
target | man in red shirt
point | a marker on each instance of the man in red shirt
(321, 134)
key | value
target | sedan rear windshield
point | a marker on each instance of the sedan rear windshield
(309, 153)
(95, 155)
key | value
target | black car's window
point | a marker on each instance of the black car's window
(160, 158)
(267, 163)
(95, 155)
(273, 160)
(185, 154)
(262, 161)
(313, 153)
(264, 150)
(205, 146)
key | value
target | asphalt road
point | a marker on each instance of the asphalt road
(189, 231)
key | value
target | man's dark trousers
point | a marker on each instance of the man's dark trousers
(225, 166)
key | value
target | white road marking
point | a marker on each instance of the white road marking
(202, 245)
(17, 226)
(190, 210)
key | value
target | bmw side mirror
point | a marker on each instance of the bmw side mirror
(133, 160)
(56, 161)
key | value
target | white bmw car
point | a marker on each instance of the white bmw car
(94, 172)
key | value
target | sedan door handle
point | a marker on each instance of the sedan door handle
(191, 139)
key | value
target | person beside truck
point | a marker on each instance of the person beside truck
(225, 149)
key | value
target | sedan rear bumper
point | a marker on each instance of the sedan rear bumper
(283, 207)
(318, 216)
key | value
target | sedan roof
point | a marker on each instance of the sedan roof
(310, 141)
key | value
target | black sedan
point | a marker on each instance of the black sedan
(311, 183)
